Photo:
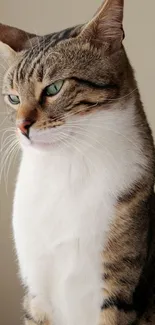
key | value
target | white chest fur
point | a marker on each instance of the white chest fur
(63, 207)
(59, 233)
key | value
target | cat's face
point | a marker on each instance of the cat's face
(66, 77)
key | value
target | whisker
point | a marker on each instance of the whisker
(9, 128)
(63, 116)
(85, 134)
(62, 140)
(5, 158)
(8, 145)
(107, 129)
(14, 150)
(79, 150)
(6, 166)
(3, 66)
(6, 142)
(3, 121)
(11, 135)
(4, 59)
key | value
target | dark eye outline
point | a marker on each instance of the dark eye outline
(57, 90)
(14, 102)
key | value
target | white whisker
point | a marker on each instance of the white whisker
(93, 125)
(96, 141)
(14, 150)
(82, 153)
(12, 135)
(3, 121)
(5, 159)
(73, 113)
(6, 142)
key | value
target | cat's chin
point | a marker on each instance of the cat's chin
(43, 146)
(38, 145)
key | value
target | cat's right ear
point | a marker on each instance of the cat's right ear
(106, 26)
(13, 40)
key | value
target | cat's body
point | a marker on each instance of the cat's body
(60, 235)
(83, 215)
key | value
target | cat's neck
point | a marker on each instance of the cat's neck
(109, 148)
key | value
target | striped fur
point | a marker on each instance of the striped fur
(98, 78)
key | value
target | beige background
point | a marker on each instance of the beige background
(44, 17)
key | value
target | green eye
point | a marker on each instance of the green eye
(13, 99)
(54, 88)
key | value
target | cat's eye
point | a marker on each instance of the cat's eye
(54, 88)
(14, 99)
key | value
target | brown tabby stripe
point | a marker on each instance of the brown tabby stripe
(30, 318)
(114, 316)
(90, 105)
(95, 85)
(86, 103)
(130, 194)
(40, 73)
(136, 260)
(34, 54)
(34, 64)
(20, 69)
(118, 303)
(65, 34)
(10, 80)
(51, 40)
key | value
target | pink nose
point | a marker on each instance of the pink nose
(24, 126)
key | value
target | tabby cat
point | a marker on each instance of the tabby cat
(84, 213)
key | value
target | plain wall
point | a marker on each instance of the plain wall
(49, 16)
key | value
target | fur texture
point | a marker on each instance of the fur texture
(61, 238)
(83, 208)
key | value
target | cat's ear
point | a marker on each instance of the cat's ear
(13, 40)
(106, 25)
(16, 38)
(7, 53)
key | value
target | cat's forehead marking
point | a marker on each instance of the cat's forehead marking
(40, 48)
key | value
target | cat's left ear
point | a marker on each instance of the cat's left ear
(13, 40)
(7, 53)
(106, 25)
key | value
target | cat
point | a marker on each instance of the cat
(84, 207)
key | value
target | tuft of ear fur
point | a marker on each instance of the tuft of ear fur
(7, 53)
(15, 38)
(106, 25)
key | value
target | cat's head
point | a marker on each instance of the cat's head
(59, 79)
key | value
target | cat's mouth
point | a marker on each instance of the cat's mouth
(40, 145)
(42, 139)
(45, 145)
